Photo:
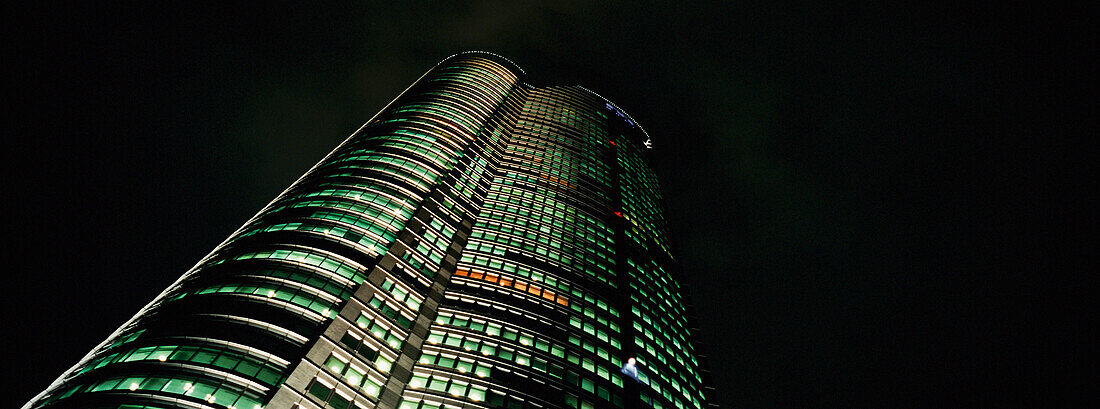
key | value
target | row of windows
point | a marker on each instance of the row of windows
(550, 281)
(409, 172)
(371, 240)
(214, 393)
(517, 195)
(596, 349)
(461, 77)
(431, 252)
(566, 170)
(560, 248)
(599, 333)
(443, 384)
(525, 338)
(594, 198)
(444, 131)
(340, 290)
(360, 200)
(322, 261)
(358, 345)
(471, 100)
(567, 238)
(329, 395)
(381, 331)
(386, 215)
(584, 253)
(457, 89)
(527, 198)
(382, 224)
(517, 284)
(493, 400)
(291, 294)
(438, 234)
(589, 249)
(491, 82)
(417, 147)
(392, 312)
(577, 118)
(402, 294)
(439, 109)
(599, 273)
(356, 375)
(265, 371)
(418, 263)
(391, 200)
(462, 365)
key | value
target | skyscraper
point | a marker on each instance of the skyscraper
(479, 243)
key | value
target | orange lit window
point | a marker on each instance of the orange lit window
(521, 286)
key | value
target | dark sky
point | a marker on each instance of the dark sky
(864, 197)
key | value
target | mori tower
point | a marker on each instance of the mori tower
(479, 243)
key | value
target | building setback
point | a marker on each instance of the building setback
(479, 243)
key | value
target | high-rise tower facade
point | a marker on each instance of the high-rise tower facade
(479, 243)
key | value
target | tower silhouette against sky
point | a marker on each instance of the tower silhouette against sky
(479, 243)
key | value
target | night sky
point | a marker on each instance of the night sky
(868, 201)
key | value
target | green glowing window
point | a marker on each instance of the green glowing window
(418, 382)
(458, 388)
(452, 341)
(335, 364)
(488, 349)
(176, 386)
(438, 384)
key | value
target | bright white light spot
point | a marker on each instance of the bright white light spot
(270, 293)
(133, 386)
(162, 358)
